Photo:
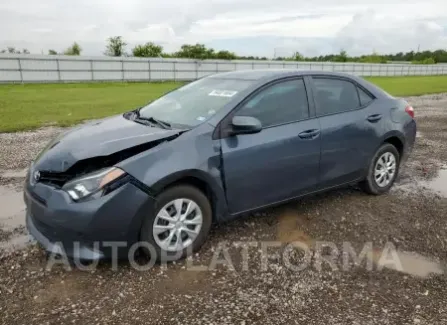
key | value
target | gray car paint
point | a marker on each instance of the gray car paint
(241, 172)
(233, 167)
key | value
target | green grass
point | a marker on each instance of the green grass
(24, 107)
(411, 86)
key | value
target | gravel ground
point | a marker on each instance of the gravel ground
(411, 218)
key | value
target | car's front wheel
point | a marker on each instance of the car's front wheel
(180, 224)
(382, 171)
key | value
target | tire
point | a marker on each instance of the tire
(370, 184)
(203, 207)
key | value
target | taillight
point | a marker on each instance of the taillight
(410, 111)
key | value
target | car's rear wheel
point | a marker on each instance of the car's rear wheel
(382, 171)
(180, 223)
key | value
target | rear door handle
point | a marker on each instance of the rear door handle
(309, 134)
(374, 118)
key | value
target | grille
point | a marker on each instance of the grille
(55, 179)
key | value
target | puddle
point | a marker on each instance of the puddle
(288, 227)
(414, 264)
(12, 218)
(21, 173)
(16, 243)
(12, 208)
(439, 183)
(288, 230)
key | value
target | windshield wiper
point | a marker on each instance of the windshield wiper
(153, 120)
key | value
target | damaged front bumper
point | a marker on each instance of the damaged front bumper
(87, 230)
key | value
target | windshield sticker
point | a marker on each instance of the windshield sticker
(223, 93)
(201, 118)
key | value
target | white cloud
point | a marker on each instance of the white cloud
(312, 27)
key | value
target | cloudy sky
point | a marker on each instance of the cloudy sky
(258, 27)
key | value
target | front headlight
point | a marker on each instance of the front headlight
(93, 183)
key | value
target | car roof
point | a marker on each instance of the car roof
(260, 74)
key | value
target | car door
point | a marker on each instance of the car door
(279, 162)
(349, 128)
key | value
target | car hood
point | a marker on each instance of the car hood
(96, 139)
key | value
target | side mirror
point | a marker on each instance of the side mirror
(245, 125)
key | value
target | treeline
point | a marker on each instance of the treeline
(117, 47)
(425, 57)
(13, 50)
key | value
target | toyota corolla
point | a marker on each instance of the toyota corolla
(209, 151)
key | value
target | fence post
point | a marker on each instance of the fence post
(122, 69)
(20, 70)
(91, 70)
(149, 70)
(197, 69)
(217, 67)
(58, 70)
(252, 65)
(175, 75)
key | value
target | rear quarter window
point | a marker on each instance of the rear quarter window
(364, 97)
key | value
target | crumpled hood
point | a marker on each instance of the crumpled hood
(96, 139)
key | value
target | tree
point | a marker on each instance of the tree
(25, 51)
(342, 56)
(424, 61)
(225, 55)
(148, 50)
(52, 52)
(11, 50)
(373, 58)
(75, 49)
(298, 57)
(197, 51)
(116, 46)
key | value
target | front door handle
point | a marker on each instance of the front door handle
(309, 134)
(374, 118)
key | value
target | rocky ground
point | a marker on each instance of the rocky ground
(411, 219)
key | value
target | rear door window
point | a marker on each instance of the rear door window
(335, 95)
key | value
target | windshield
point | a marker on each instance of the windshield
(195, 102)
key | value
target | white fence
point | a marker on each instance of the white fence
(54, 69)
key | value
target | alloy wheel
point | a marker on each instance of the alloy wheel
(385, 169)
(177, 225)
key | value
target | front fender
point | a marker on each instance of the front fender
(191, 155)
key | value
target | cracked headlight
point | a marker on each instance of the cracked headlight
(93, 184)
